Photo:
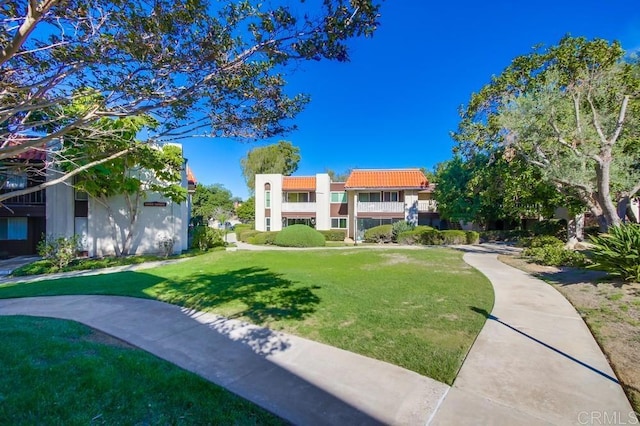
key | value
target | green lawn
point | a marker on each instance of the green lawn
(57, 372)
(412, 308)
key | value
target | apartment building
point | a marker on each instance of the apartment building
(60, 210)
(368, 198)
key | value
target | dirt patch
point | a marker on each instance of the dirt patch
(610, 308)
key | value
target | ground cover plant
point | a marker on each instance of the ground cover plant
(412, 308)
(62, 372)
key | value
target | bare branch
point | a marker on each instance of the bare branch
(620, 122)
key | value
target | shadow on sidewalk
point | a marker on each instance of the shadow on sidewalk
(488, 316)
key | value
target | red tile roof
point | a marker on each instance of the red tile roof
(191, 178)
(290, 183)
(33, 154)
(400, 178)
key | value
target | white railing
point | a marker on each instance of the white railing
(299, 207)
(427, 206)
(384, 207)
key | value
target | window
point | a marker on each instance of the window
(267, 199)
(296, 197)
(300, 221)
(15, 180)
(369, 197)
(267, 224)
(390, 196)
(338, 197)
(13, 228)
(339, 222)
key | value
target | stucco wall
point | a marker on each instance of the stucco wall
(323, 201)
(275, 181)
(59, 210)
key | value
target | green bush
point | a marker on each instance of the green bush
(60, 251)
(205, 238)
(379, 234)
(554, 255)
(240, 228)
(454, 237)
(334, 234)
(540, 241)
(246, 234)
(400, 227)
(431, 237)
(508, 236)
(412, 237)
(618, 252)
(473, 237)
(299, 236)
(262, 238)
(554, 227)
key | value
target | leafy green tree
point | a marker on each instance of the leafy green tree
(338, 177)
(144, 168)
(282, 158)
(571, 111)
(205, 67)
(207, 198)
(246, 211)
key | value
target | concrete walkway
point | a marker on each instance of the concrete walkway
(302, 381)
(534, 362)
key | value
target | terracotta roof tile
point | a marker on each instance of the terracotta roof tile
(34, 154)
(401, 178)
(290, 183)
(191, 178)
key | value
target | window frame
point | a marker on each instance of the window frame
(341, 194)
(339, 221)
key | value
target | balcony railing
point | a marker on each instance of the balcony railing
(384, 207)
(299, 207)
(37, 197)
(427, 206)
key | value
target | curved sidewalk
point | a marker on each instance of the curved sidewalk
(302, 381)
(534, 362)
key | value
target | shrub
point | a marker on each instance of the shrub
(554, 227)
(511, 235)
(400, 227)
(299, 236)
(262, 238)
(540, 241)
(431, 237)
(618, 252)
(165, 244)
(454, 237)
(205, 238)
(246, 234)
(473, 237)
(334, 235)
(240, 228)
(59, 251)
(554, 255)
(379, 234)
(413, 236)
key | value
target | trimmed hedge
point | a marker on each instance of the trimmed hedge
(262, 238)
(473, 237)
(379, 234)
(554, 255)
(249, 233)
(299, 236)
(334, 235)
(400, 227)
(240, 228)
(413, 237)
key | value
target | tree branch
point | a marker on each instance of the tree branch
(620, 122)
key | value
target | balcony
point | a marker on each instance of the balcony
(427, 206)
(34, 198)
(383, 207)
(298, 207)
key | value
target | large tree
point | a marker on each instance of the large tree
(570, 110)
(282, 157)
(207, 200)
(205, 67)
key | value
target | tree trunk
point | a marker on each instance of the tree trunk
(575, 230)
(623, 204)
(132, 207)
(603, 176)
(114, 230)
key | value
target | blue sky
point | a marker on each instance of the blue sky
(395, 104)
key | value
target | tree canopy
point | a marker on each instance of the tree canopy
(208, 200)
(282, 157)
(570, 110)
(197, 67)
